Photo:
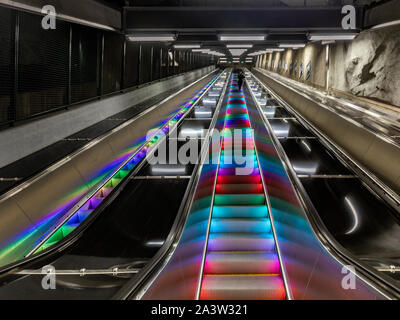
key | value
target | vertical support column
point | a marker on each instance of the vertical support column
(12, 111)
(101, 85)
(69, 86)
(160, 71)
(151, 63)
(123, 64)
(173, 62)
(327, 52)
(140, 65)
(168, 63)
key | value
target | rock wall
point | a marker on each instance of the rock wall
(368, 66)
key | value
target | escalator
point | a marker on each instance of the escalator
(351, 211)
(122, 226)
(241, 260)
(247, 235)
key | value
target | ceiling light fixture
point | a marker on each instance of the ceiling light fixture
(240, 46)
(292, 45)
(152, 38)
(331, 36)
(241, 37)
(187, 46)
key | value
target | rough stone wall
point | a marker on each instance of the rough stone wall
(369, 65)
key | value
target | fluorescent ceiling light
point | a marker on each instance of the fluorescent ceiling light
(215, 53)
(187, 46)
(331, 36)
(152, 38)
(237, 52)
(201, 50)
(239, 46)
(292, 45)
(242, 37)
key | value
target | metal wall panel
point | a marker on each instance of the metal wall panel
(7, 112)
(85, 71)
(42, 66)
(113, 46)
(132, 64)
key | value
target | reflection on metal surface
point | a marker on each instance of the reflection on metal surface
(308, 168)
(155, 243)
(355, 215)
(168, 169)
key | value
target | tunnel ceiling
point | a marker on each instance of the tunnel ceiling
(201, 22)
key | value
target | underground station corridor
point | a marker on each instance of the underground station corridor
(199, 151)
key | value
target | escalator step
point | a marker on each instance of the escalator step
(240, 212)
(241, 242)
(232, 172)
(239, 179)
(231, 225)
(239, 199)
(239, 189)
(260, 287)
(241, 263)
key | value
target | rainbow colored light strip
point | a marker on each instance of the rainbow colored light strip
(241, 260)
(90, 205)
(34, 237)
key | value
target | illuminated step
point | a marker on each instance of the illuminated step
(238, 152)
(241, 225)
(241, 242)
(239, 199)
(79, 217)
(237, 123)
(238, 155)
(104, 192)
(239, 179)
(246, 164)
(248, 287)
(232, 172)
(240, 212)
(239, 189)
(238, 116)
(92, 204)
(236, 110)
(113, 183)
(241, 263)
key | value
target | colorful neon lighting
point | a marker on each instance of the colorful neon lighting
(20, 245)
(241, 261)
(77, 218)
